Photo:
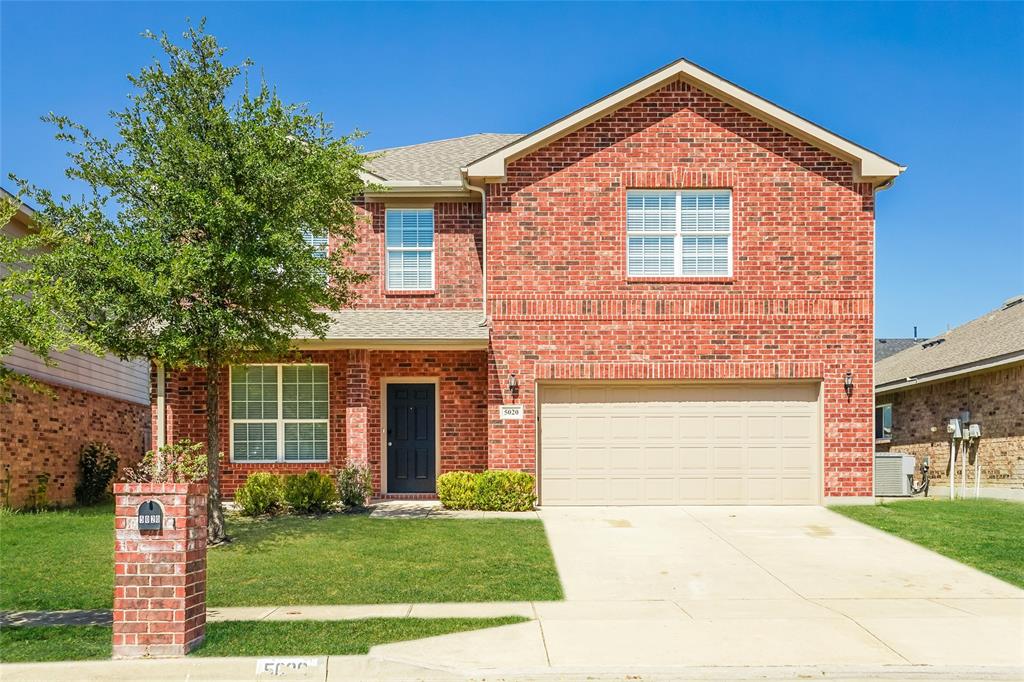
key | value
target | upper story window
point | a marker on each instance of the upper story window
(319, 244)
(409, 243)
(685, 233)
(279, 413)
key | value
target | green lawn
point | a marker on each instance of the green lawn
(242, 638)
(985, 534)
(56, 643)
(337, 559)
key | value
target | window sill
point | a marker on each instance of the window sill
(411, 292)
(272, 462)
(883, 441)
(680, 280)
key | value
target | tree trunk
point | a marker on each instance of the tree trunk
(214, 513)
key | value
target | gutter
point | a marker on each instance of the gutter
(913, 382)
(483, 240)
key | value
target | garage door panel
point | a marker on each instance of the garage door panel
(607, 443)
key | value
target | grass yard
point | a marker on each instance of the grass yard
(64, 560)
(353, 559)
(241, 638)
(54, 643)
(57, 560)
(985, 534)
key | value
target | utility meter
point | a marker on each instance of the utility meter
(974, 431)
(953, 427)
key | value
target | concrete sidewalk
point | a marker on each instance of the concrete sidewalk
(355, 611)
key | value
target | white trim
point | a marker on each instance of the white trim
(390, 344)
(868, 166)
(280, 421)
(161, 405)
(384, 381)
(913, 382)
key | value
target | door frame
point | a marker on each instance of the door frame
(384, 381)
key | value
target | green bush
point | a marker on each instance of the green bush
(97, 465)
(310, 492)
(457, 489)
(502, 490)
(494, 490)
(262, 492)
(355, 485)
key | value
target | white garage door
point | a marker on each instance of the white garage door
(619, 444)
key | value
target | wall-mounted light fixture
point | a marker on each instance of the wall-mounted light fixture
(513, 384)
(848, 384)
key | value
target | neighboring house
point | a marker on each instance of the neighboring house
(656, 299)
(979, 367)
(886, 347)
(91, 399)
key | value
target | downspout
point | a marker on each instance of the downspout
(161, 405)
(483, 241)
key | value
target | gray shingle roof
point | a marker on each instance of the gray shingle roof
(886, 347)
(406, 326)
(997, 334)
(436, 162)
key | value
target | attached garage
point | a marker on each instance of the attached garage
(605, 443)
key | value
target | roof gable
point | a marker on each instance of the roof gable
(868, 166)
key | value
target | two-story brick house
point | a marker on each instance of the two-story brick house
(663, 298)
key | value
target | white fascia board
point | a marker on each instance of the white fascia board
(869, 166)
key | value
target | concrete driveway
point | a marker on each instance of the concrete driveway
(667, 589)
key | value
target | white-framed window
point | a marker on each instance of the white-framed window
(684, 233)
(883, 422)
(279, 413)
(409, 243)
(319, 244)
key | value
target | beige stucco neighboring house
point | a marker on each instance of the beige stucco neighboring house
(978, 368)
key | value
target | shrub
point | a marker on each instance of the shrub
(502, 490)
(97, 465)
(457, 489)
(310, 492)
(494, 490)
(355, 485)
(181, 462)
(262, 492)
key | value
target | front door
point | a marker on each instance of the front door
(411, 438)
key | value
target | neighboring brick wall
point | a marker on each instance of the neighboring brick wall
(159, 575)
(996, 401)
(457, 256)
(462, 400)
(43, 434)
(801, 294)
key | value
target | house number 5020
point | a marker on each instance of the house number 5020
(511, 411)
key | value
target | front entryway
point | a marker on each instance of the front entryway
(411, 433)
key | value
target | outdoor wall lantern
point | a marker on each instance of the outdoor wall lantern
(513, 384)
(848, 384)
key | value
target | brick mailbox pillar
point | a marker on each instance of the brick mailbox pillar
(159, 573)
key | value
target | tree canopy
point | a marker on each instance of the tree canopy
(195, 243)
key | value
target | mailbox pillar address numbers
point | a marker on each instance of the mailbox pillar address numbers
(151, 516)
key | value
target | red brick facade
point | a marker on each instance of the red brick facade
(798, 305)
(42, 434)
(800, 298)
(355, 381)
(159, 575)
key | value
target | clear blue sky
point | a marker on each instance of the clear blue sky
(937, 87)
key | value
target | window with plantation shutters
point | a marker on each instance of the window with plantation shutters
(685, 233)
(319, 244)
(409, 243)
(279, 413)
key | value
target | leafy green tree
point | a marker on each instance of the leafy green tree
(190, 247)
(28, 314)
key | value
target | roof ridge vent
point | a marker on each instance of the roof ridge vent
(1012, 301)
(933, 342)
